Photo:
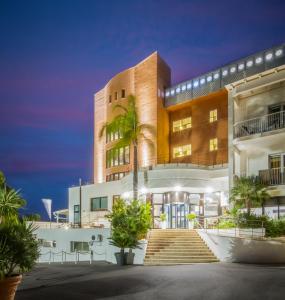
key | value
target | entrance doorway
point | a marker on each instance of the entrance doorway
(176, 215)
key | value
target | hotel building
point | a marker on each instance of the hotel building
(227, 122)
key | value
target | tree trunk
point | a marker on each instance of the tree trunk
(135, 173)
(263, 209)
(248, 207)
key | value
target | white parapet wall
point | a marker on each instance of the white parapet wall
(58, 242)
(244, 249)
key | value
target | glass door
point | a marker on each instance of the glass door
(176, 215)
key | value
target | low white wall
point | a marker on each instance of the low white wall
(101, 250)
(244, 250)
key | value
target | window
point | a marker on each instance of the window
(76, 211)
(213, 115)
(79, 246)
(214, 144)
(116, 95)
(123, 94)
(182, 151)
(180, 125)
(110, 99)
(118, 157)
(116, 176)
(113, 136)
(46, 243)
(274, 161)
(99, 203)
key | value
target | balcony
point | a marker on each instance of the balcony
(274, 176)
(259, 125)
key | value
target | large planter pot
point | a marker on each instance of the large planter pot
(120, 258)
(191, 224)
(129, 258)
(8, 287)
(163, 224)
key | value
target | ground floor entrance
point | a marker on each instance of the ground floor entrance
(176, 215)
(176, 206)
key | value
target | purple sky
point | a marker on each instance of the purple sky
(54, 55)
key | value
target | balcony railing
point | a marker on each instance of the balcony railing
(262, 124)
(273, 176)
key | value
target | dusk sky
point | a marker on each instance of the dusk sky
(54, 55)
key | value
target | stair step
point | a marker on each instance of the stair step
(186, 257)
(178, 252)
(180, 259)
(181, 246)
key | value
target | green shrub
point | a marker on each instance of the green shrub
(191, 217)
(275, 228)
(225, 224)
(18, 248)
(129, 223)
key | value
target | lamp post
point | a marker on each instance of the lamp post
(80, 203)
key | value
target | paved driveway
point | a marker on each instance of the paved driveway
(198, 281)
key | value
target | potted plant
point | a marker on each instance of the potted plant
(139, 222)
(191, 220)
(129, 224)
(18, 254)
(163, 221)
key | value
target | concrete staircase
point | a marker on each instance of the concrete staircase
(177, 247)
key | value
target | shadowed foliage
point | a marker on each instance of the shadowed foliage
(248, 192)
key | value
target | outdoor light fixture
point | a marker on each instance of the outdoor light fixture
(183, 87)
(178, 90)
(126, 195)
(189, 86)
(202, 81)
(269, 56)
(143, 190)
(258, 60)
(278, 52)
(209, 78)
(167, 94)
(196, 83)
(241, 67)
(177, 188)
(225, 73)
(233, 69)
(209, 190)
(172, 92)
(249, 63)
(216, 75)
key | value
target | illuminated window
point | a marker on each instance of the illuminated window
(214, 144)
(213, 115)
(182, 151)
(118, 157)
(180, 125)
(113, 136)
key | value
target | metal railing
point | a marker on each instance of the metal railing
(49, 256)
(274, 176)
(233, 227)
(261, 124)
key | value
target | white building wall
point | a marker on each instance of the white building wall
(101, 250)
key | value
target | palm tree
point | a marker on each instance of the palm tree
(131, 132)
(248, 191)
(10, 202)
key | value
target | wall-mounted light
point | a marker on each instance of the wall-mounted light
(143, 190)
(177, 188)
